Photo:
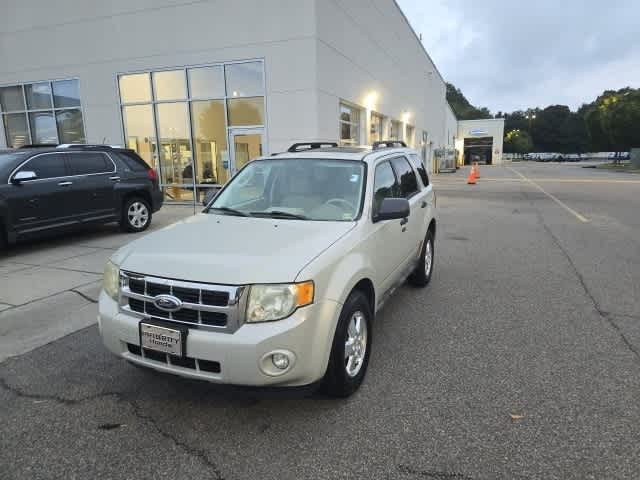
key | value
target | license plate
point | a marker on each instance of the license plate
(161, 339)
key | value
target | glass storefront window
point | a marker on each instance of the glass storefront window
(409, 134)
(135, 88)
(209, 141)
(70, 127)
(181, 122)
(244, 79)
(16, 130)
(175, 149)
(376, 127)
(207, 82)
(246, 111)
(11, 98)
(139, 132)
(43, 127)
(395, 130)
(66, 93)
(38, 95)
(169, 85)
(51, 113)
(349, 125)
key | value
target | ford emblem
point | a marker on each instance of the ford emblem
(167, 303)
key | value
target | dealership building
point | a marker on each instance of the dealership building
(199, 88)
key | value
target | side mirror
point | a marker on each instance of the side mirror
(23, 176)
(392, 209)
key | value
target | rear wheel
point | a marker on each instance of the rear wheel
(136, 215)
(421, 276)
(351, 347)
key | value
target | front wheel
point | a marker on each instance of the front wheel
(136, 215)
(421, 276)
(351, 347)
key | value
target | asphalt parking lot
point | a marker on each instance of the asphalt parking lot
(521, 360)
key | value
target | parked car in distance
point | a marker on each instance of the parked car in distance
(278, 281)
(54, 188)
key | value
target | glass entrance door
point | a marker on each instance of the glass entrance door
(246, 144)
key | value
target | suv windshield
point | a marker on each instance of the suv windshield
(302, 189)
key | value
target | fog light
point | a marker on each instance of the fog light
(280, 360)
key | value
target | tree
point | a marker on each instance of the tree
(620, 119)
(461, 106)
(517, 141)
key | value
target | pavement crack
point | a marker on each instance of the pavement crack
(604, 315)
(55, 398)
(137, 412)
(86, 297)
(432, 474)
(195, 452)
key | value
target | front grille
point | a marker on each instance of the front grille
(210, 306)
(184, 362)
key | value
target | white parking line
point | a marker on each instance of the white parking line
(580, 217)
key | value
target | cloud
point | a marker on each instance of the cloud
(510, 55)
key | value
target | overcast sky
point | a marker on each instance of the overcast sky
(511, 55)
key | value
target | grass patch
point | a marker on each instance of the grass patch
(624, 167)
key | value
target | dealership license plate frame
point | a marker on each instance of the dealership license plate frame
(158, 326)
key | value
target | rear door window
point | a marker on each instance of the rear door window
(408, 180)
(87, 163)
(419, 166)
(132, 161)
(49, 165)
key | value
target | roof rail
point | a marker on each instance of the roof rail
(40, 145)
(88, 145)
(389, 144)
(301, 147)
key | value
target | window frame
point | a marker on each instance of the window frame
(66, 167)
(358, 123)
(373, 183)
(156, 163)
(399, 178)
(26, 162)
(53, 109)
(104, 155)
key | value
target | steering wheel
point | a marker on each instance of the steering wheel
(337, 202)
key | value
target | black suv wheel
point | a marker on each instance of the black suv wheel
(136, 215)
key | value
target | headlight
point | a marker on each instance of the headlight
(275, 302)
(111, 279)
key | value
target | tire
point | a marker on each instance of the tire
(421, 276)
(344, 376)
(3, 240)
(136, 215)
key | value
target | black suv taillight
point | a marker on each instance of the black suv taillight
(153, 175)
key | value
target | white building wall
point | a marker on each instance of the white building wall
(451, 127)
(94, 40)
(368, 55)
(483, 128)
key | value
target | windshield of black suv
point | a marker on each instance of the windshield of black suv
(303, 189)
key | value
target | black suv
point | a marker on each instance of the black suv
(46, 188)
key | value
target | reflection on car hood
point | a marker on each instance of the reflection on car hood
(231, 250)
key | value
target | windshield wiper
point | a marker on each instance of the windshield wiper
(279, 213)
(231, 211)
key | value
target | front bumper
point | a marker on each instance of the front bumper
(307, 335)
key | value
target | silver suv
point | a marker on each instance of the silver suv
(277, 282)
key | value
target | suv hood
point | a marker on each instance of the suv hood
(231, 250)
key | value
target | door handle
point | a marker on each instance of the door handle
(65, 184)
(423, 204)
(116, 178)
(404, 221)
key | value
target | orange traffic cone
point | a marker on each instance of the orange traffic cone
(471, 179)
(477, 167)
